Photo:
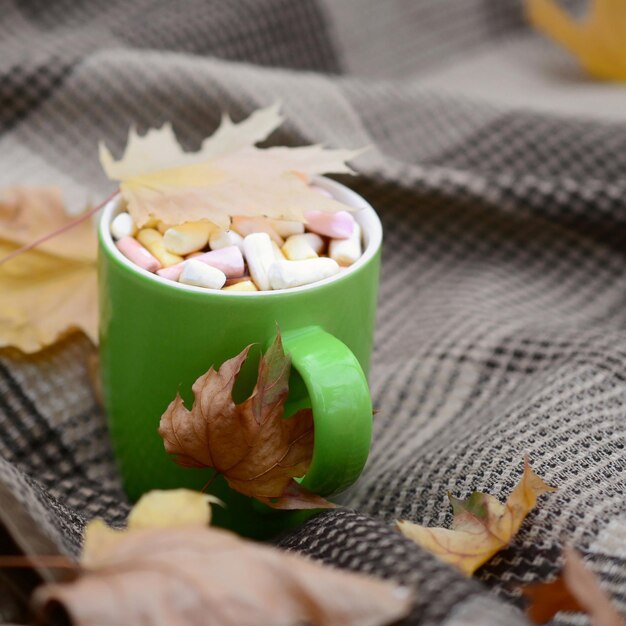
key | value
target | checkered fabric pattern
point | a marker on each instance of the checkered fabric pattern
(502, 314)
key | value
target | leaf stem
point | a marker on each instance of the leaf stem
(58, 231)
(209, 482)
(53, 561)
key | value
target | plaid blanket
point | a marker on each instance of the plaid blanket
(502, 315)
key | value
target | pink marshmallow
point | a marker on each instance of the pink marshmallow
(234, 281)
(335, 225)
(172, 272)
(136, 253)
(229, 260)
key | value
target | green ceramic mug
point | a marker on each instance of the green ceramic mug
(158, 336)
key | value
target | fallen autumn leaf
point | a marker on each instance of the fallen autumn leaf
(178, 571)
(482, 525)
(577, 589)
(50, 291)
(597, 39)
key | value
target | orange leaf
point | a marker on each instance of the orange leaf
(256, 450)
(50, 291)
(227, 176)
(576, 590)
(482, 525)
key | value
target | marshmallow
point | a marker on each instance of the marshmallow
(234, 281)
(245, 285)
(153, 241)
(187, 238)
(259, 254)
(346, 251)
(123, 226)
(297, 248)
(288, 274)
(201, 275)
(315, 241)
(337, 225)
(136, 253)
(228, 260)
(224, 238)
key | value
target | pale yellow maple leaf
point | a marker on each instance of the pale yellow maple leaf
(227, 176)
(482, 525)
(52, 290)
(155, 509)
(598, 40)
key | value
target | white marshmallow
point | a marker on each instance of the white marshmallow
(259, 253)
(123, 226)
(297, 247)
(315, 241)
(224, 238)
(201, 275)
(288, 274)
(346, 251)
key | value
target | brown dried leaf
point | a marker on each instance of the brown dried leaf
(198, 575)
(256, 450)
(482, 525)
(50, 291)
(576, 590)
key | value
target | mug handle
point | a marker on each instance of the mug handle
(341, 404)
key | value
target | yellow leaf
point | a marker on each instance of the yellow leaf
(155, 509)
(176, 507)
(598, 40)
(159, 150)
(482, 525)
(50, 291)
(227, 176)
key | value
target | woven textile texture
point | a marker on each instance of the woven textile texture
(502, 313)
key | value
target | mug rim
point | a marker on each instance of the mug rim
(372, 230)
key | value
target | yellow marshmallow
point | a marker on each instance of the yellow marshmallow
(298, 248)
(244, 285)
(153, 241)
(187, 238)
